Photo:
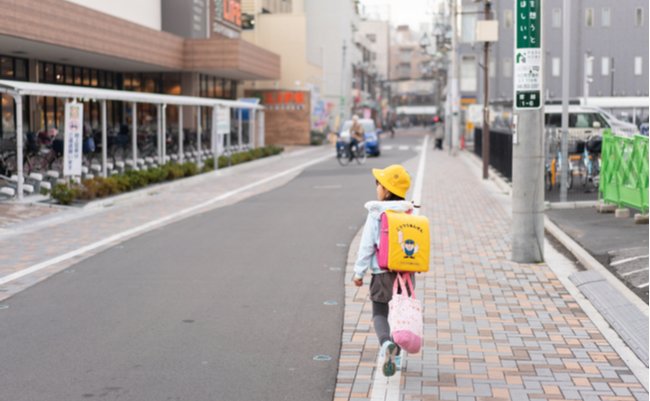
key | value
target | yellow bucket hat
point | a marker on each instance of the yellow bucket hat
(394, 178)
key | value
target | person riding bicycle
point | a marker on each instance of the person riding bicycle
(356, 134)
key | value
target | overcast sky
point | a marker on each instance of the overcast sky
(412, 12)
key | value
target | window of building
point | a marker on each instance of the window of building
(604, 66)
(589, 17)
(606, 17)
(589, 66)
(638, 65)
(507, 18)
(638, 17)
(557, 18)
(555, 67)
(507, 67)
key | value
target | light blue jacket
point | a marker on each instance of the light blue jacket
(367, 255)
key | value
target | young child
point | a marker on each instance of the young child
(392, 184)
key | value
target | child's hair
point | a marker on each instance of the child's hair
(392, 196)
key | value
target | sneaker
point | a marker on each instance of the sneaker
(388, 351)
(398, 362)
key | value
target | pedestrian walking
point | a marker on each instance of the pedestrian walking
(392, 183)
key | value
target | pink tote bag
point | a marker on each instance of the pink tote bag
(405, 316)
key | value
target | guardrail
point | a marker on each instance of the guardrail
(624, 171)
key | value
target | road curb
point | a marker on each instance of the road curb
(581, 254)
(197, 179)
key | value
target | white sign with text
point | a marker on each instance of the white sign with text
(73, 139)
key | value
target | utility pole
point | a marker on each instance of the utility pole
(528, 136)
(485, 143)
(455, 103)
(564, 146)
(342, 101)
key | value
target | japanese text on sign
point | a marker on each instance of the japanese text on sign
(73, 138)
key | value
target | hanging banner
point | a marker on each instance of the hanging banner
(73, 139)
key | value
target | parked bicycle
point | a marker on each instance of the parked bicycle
(48, 152)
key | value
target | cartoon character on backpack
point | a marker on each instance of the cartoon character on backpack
(409, 246)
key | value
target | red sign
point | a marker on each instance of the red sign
(284, 98)
(232, 11)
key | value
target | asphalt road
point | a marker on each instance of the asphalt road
(233, 304)
(617, 243)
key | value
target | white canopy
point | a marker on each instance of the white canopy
(18, 89)
(67, 91)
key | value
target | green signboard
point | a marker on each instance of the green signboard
(528, 55)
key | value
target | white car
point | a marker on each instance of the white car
(586, 121)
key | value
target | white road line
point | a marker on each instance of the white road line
(643, 285)
(387, 388)
(403, 147)
(152, 224)
(623, 261)
(387, 147)
(634, 271)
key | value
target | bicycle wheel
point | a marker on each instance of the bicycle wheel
(361, 154)
(11, 165)
(342, 155)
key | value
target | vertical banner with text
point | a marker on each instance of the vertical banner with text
(528, 55)
(72, 149)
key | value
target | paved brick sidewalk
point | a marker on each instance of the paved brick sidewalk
(494, 330)
(33, 241)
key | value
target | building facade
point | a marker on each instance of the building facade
(609, 43)
(189, 47)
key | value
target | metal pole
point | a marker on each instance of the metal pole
(342, 99)
(252, 119)
(566, 37)
(134, 135)
(239, 129)
(180, 134)
(260, 128)
(215, 137)
(198, 135)
(104, 141)
(159, 133)
(164, 133)
(19, 145)
(486, 106)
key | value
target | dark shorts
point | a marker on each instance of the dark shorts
(381, 286)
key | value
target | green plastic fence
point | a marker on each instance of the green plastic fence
(624, 171)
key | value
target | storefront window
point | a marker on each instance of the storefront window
(59, 74)
(69, 76)
(6, 67)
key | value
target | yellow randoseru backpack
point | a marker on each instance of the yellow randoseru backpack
(403, 242)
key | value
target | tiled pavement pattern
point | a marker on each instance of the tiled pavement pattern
(494, 330)
(33, 241)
